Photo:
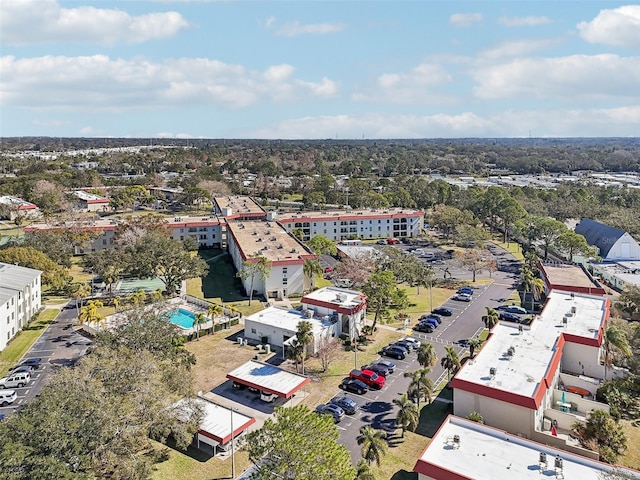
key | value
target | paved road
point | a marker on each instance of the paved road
(58, 346)
(377, 407)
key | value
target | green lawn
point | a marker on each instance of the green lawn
(24, 339)
(221, 283)
(419, 303)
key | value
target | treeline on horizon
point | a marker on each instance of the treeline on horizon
(391, 157)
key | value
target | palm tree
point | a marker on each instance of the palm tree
(80, 291)
(137, 297)
(198, 320)
(213, 312)
(421, 385)
(255, 265)
(374, 444)
(531, 284)
(491, 318)
(156, 295)
(615, 339)
(110, 276)
(295, 351)
(408, 415)
(363, 471)
(450, 362)
(427, 355)
(89, 313)
(474, 344)
(311, 268)
(304, 336)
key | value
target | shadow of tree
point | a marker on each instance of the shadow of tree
(404, 475)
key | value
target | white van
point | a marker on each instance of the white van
(7, 397)
(267, 397)
(14, 380)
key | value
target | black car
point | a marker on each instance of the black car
(386, 363)
(401, 346)
(376, 367)
(394, 352)
(424, 327)
(427, 316)
(354, 385)
(510, 317)
(22, 368)
(444, 311)
(32, 362)
(349, 406)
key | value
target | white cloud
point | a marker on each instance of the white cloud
(24, 22)
(556, 123)
(523, 21)
(296, 29)
(415, 86)
(618, 27)
(572, 79)
(87, 130)
(99, 82)
(463, 20)
(517, 48)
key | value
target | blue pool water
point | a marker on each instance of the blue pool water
(182, 318)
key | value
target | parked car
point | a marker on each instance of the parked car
(328, 269)
(394, 352)
(406, 344)
(379, 369)
(371, 378)
(386, 363)
(381, 242)
(424, 327)
(444, 311)
(426, 316)
(510, 317)
(430, 321)
(14, 380)
(462, 297)
(413, 341)
(33, 362)
(331, 409)
(347, 404)
(7, 397)
(22, 368)
(514, 309)
(353, 385)
(467, 290)
(392, 241)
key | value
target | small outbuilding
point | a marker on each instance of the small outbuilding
(270, 380)
(220, 426)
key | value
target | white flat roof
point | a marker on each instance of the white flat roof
(486, 453)
(269, 378)
(16, 202)
(358, 251)
(536, 347)
(86, 196)
(14, 277)
(285, 319)
(216, 420)
(341, 297)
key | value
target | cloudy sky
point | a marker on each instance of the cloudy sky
(319, 69)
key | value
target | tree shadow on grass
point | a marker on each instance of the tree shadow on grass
(191, 451)
(404, 475)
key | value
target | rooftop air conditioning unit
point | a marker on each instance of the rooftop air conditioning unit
(492, 371)
(565, 321)
(573, 309)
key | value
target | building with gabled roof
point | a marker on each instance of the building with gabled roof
(13, 207)
(612, 243)
(20, 299)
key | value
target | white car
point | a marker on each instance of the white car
(415, 343)
(14, 380)
(7, 397)
(462, 297)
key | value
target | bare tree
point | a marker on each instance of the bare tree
(328, 349)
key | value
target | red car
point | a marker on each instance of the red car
(392, 241)
(371, 378)
(328, 269)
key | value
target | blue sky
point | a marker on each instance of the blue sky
(319, 69)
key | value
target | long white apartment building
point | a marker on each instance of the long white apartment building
(465, 450)
(20, 299)
(344, 224)
(285, 254)
(528, 379)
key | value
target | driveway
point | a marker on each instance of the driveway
(377, 406)
(58, 346)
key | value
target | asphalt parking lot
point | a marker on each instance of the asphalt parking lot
(465, 322)
(58, 346)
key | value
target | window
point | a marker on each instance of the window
(104, 241)
(253, 330)
(284, 281)
(284, 270)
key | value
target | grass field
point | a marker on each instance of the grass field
(631, 458)
(24, 339)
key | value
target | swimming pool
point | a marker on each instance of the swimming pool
(182, 318)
